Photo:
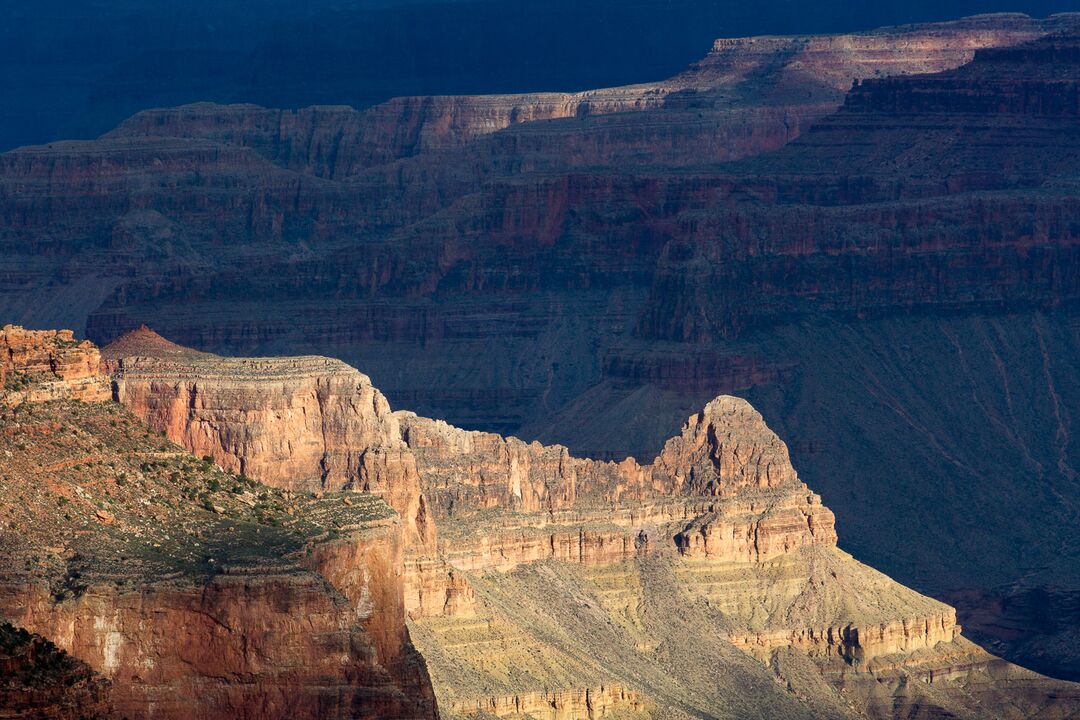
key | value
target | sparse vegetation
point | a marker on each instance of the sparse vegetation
(32, 661)
(133, 512)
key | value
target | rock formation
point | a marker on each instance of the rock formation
(589, 269)
(42, 682)
(305, 424)
(197, 592)
(36, 366)
(559, 583)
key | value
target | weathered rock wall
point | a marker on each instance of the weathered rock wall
(42, 365)
(309, 424)
(255, 645)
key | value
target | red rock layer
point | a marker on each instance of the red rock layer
(311, 424)
(257, 644)
(40, 365)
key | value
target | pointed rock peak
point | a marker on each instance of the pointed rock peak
(144, 342)
(725, 447)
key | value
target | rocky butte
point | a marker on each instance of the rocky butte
(522, 580)
(871, 237)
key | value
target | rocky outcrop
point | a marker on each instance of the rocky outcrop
(726, 477)
(858, 644)
(42, 365)
(722, 450)
(196, 592)
(309, 424)
(725, 449)
(758, 533)
(559, 704)
(266, 645)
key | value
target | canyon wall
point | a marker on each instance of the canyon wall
(252, 646)
(195, 592)
(719, 520)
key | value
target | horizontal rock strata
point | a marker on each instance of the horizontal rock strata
(720, 520)
(41, 365)
(196, 592)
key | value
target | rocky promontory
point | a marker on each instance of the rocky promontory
(194, 591)
(529, 535)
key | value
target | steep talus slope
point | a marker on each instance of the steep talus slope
(704, 584)
(594, 277)
(196, 592)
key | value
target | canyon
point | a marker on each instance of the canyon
(545, 585)
(872, 237)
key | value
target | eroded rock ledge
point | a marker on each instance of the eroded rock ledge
(41, 365)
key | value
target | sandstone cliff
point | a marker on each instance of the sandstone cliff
(306, 424)
(196, 592)
(559, 583)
